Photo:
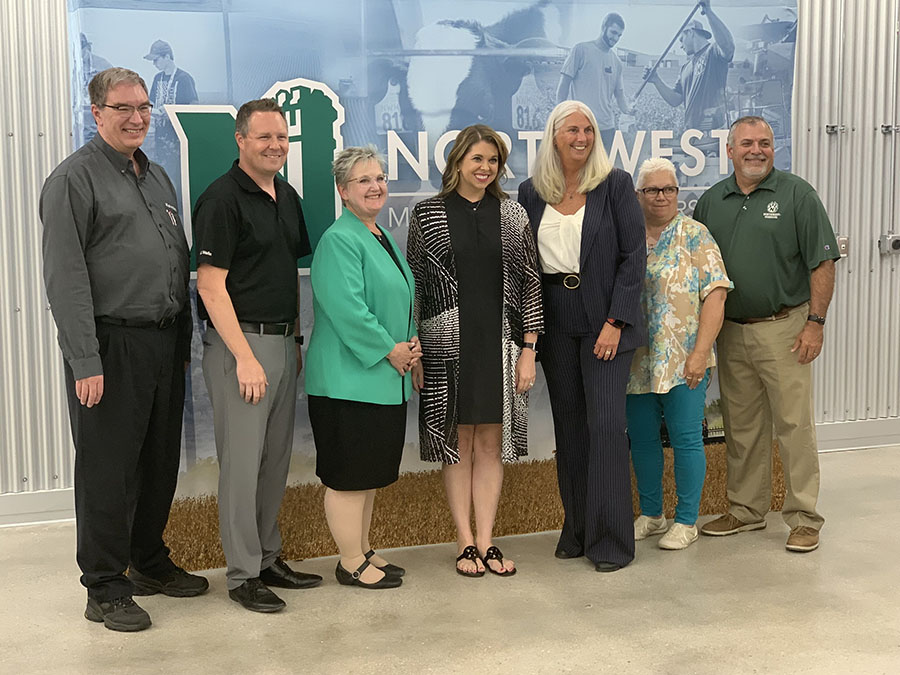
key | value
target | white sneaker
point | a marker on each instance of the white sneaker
(645, 526)
(678, 537)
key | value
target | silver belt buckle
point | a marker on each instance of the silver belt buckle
(571, 281)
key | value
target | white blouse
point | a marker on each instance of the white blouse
(559, 241)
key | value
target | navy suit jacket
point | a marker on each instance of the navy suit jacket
(613, 254)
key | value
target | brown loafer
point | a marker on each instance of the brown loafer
(803, 539)
(728, 524)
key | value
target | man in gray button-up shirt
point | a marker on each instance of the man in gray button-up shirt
(116, 267)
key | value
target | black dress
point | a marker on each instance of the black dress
(477, 251)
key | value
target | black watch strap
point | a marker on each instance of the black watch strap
(816, 319)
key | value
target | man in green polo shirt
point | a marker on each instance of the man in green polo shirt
(779, 249)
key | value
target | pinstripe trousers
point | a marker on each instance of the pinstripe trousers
(587, 399)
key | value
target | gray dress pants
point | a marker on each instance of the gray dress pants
(253, 444)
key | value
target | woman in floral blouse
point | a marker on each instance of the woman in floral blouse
(683, 300)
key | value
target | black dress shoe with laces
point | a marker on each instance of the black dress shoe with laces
(278, 574)
(603, 566)
(254, 595)
(122, 614)
(387, 568)
(175, 583)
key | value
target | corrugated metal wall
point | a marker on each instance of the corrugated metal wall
(846, 75)
(35, 123)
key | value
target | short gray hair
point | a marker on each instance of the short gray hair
(102, 82)
(752, 120)
(347, 158)
(653, 165)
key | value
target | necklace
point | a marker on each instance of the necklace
(473, 205)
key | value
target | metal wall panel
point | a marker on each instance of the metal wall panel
(846, 73)
(35, 122)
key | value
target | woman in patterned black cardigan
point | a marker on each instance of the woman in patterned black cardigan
(478, 311)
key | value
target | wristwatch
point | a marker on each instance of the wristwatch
(530, 345)
(816, 319)
(618, 323)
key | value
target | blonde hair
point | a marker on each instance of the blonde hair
(548, 177)
(653, 165)
(464, 141)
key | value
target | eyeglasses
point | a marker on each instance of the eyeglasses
(668, 191)
(369, 181)
(128, 110)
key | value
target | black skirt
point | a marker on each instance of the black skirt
(358, 445)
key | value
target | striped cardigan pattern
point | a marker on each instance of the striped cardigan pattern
(436, 312)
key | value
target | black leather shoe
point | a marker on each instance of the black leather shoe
(278, 574)
(563, 554)
(122, 614)
(607, 567)
(346, 578)
(255, 596)
(387, 568)
(175, 583)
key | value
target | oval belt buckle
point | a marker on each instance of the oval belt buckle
(571, 281)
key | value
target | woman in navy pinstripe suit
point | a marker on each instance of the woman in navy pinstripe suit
(590, 236)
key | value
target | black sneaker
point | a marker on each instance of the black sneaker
(176, 583)
(121, 614)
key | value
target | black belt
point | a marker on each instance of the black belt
(130, 323)
(569, 280)
(283, 329)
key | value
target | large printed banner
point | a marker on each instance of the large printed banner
(663, 79)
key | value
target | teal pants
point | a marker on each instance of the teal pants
(683, 411)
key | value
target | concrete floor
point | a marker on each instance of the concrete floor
(739, 604)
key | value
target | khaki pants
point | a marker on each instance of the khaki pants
(765, 389)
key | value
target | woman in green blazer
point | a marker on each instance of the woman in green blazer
(362, 349)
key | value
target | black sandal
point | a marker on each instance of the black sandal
(494, 553)
(469, 553)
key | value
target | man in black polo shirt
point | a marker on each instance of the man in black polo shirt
(779, 249)
(116, 269)
(249, 233)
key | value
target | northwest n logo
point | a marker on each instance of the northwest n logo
(772, 210)
(314, 117)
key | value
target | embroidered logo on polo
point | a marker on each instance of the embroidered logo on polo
(771, 212)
